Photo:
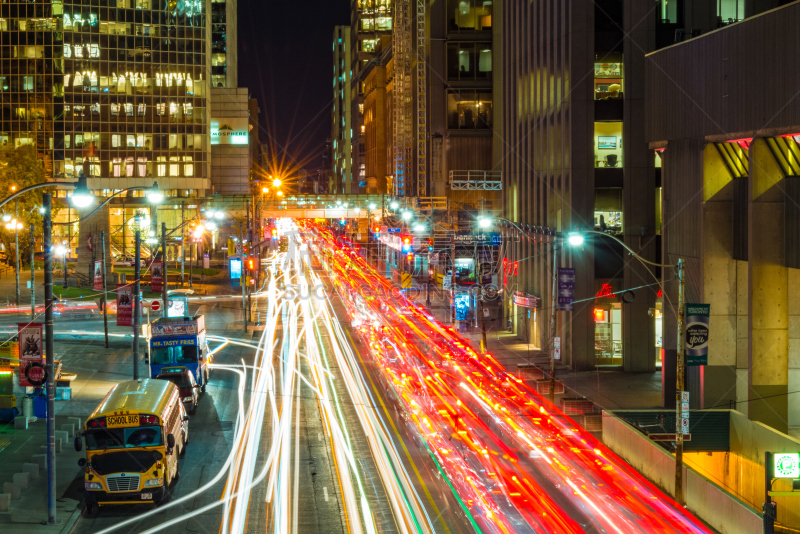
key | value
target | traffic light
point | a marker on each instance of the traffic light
(251, 264)
(342, 221)
(245, 250)
(377, 229)
(274, 234)
(430, 244)
(410, 256)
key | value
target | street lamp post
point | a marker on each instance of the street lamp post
(49, 361)
(164, 267)
(17, 226)
(135, 322)
(576, 239)
(33, 275)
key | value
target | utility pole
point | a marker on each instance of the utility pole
(16, 244)
(553, 322)
(47, 228)
(679, 383)
(135, 322)
(33, 274)
(105, 291)
(164, 267)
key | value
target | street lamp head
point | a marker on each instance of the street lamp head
(372, 205)
(419, 227)
(219, 215)
(406, 215)
(6, 217)
(41, 210)
(276, 182)
(61, 251)
(81, 196)
(265, 190)
(575, 239)
(154, 195)
(357, 210)
(279, 193)
(394, 205)
(484, 222)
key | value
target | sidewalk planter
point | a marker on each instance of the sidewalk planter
(529, 372)
(576, 406)
(593, 422)
(543, 387)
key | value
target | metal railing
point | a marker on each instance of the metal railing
(476, 180)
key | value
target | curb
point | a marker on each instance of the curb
(70, 524)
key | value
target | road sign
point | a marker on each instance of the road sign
(557, 348)
(786, 465)
(682, 408)
(155, 305)
(684, 425)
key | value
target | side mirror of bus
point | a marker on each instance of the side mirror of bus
(170, 441)
(78, 445)
(81, 462)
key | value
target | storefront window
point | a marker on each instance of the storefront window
(608, 144)
(607, 333)
(608, 210)
(608, 76)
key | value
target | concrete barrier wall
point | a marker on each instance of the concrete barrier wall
(741, 471)
(709, 501)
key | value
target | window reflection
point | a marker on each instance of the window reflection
(469, 15)
(608, 76)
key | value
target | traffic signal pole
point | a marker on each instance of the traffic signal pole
(47, 229)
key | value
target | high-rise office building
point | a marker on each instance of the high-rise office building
(575, 157)
(119, 85)
(224, 47)
(342, 180)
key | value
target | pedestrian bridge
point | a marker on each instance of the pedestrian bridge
(341, 206)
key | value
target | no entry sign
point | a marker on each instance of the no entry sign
(155, 305)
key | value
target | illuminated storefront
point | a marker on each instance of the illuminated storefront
(607, 314)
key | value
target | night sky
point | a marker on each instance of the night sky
(286, 61)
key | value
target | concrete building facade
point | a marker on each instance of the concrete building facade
(575, 157)
(727, 126)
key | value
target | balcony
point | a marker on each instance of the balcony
(476, 181)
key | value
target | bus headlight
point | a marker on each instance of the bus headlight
(153, 482)
(92, 485)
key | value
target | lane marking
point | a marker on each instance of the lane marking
(319, 436)
(325, 491)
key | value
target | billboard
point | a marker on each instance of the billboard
(230, 131)
(31, 367)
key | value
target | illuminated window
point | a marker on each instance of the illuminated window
(129, 109)
(162, 170)
(173, 169)
(173, 109)
(115, 109)
(188, 169)
(67, 140)
(130, 141)
(161, 108)
(608, 76)
(94, 50)
(67, 51)
(95, 108)
(187, 110)
(116, 167)
(116, 140)
(129, 167)
(142, 165)
(141, 109)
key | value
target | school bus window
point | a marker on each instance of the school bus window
(118, 438)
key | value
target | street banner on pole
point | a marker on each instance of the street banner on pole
(566, 288)
(156, 276)
(31, 367)
(697, 321)
(98, 276)
(124, 305)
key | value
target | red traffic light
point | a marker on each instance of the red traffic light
(377, 229)
(251, 264)
(406, 240)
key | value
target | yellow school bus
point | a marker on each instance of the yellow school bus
(133, 441)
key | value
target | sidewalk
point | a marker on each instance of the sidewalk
(97, 369)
